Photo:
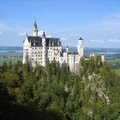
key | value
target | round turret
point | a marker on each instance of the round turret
(80, 40)
(80, 47)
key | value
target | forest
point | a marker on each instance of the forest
(54, 93)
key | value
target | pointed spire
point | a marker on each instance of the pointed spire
(35, 29)
(43, 34)
(35, 25)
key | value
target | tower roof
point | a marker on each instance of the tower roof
(35, 25)
(43, 34)
(80, 38)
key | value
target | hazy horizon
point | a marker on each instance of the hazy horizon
(97, 22)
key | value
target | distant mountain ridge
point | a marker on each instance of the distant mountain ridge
(88, 50)
(10, 49)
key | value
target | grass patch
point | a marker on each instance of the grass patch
(117, 71)
(112, 61)
(6, 54)
(7, 57)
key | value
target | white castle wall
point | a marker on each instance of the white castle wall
(40, 54)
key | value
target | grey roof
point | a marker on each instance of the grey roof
(37, 41)
(53, 42)
(80, 38)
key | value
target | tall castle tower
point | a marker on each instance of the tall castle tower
(35, 29)
(43, 49)
(26, 49)
(80, 47)
(38, 49)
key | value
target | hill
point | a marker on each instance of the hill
(54, 93)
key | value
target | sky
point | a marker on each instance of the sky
(96, 21)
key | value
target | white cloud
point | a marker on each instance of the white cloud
(2, 25)
(48, 36)
(11, 27)
(74, 34)
(105, 41)
(98, 41)
(114, 40)
(40, 33)
(22, 34)
(64, 39)
(109, 23)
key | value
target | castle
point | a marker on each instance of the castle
(40, 49)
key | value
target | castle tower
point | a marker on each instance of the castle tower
(26, 50)
(67, 49)
(35, 29)
(43, 49)
(103, 58)
(80, 47)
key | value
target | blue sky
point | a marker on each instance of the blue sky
(96, 21)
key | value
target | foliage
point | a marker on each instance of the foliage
(54, 93)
